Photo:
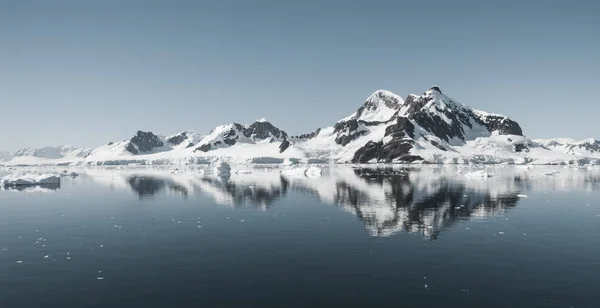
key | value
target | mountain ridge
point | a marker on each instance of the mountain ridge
(427, 128)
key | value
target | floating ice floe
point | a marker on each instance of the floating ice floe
(29, 179)
(479, 174)
(67, 173)
(302, 172)
(553, 172)
(313, 172)
(522, 196)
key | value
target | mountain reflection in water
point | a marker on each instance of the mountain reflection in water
(386, 200)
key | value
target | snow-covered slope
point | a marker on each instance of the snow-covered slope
(231, 134)
(5, 155)
(427, 128)
(54, 155)
(588, 147)
(145, 143)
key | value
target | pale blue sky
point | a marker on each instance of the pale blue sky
(89, 72)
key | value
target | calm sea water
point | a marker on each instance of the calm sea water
(429, 237)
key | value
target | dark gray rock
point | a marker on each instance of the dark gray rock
(144, 141)
(502, 125)
(593, 146)
(284, 145)
(229, 141)
(263, 130)
(460, 118)
(178, 139)
(309, 135)
(347, 131)
(203, 148)
(402, 133)
(256, 132)
(521, 148)
(394, 150)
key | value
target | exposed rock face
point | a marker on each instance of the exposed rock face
(381, 107)
(203, 148)
(592, 146)
(397, 149)
(379, 103)
(144, 142)
(177, 139)
(502, 125)
(231, 134)
(264, 130)
(447, 119)
(309, 135)
(441, 122)
(348, 131)
(521, 148)
(284, 145)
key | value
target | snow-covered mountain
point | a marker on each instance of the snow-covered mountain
(54, 155)
(427, 128)
(234, 133)
(144, 143)
(588, 147)
(5, 155)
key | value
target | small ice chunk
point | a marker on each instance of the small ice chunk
(522, 196)
(313, 172)
(46, 256)
(19, 262)
(479, 174)
(100, 278)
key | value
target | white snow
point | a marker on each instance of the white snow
(30, 178)
(479, 174)
(376, 108)
(479, 147)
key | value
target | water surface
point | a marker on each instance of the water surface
(401, 237)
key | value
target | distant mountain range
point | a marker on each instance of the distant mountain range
(427, 128)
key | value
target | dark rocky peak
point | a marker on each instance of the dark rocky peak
(503, 125)
(262, 130)
(308, 135)
(379, 107)
(590, 145)
(378, 100)
(177, 139)
(144, 142)
(233, 131)
(448, 119)
(436, 88)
